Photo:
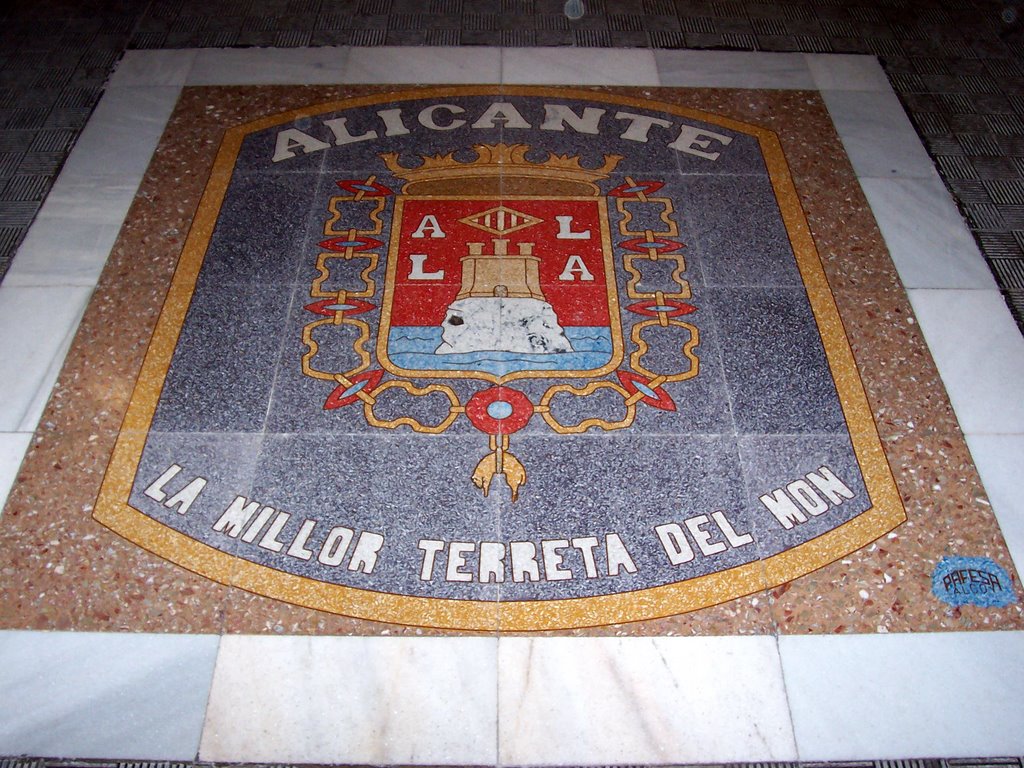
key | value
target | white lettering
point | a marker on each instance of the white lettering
(807, 498)
(492, 562)
(298, 545)
(674, 542)
(686, 139)
(552, 556)
(269, 540)
(690, 136)
(457, 551)
(524, 561)
(335, 545)
(291, 139)
(342, 136)
(430, 549)
(565, 230)
(639, 125)
(364, 557)
(574, 266)
(393, 122)
(186, 495)
(503, 112)
(805, 493)
(618, 555)
(429, 224)
(156, 490)
(785, 511)
(428, 120)
(826, 481)
(183, 499)
(557, 116)
(236, 516)
(734, 539)
(257, 525)
(586, 545)
(417, 273)
(702, 537)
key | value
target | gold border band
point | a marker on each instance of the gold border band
(885, 513)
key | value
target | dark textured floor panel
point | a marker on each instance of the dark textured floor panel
(958, 66)
(981, 762)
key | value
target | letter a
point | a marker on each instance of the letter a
(574, 265)
(429, 224)
(291, 139)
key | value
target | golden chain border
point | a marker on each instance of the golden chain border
(455, 406)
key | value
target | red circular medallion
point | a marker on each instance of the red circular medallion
(499, 410)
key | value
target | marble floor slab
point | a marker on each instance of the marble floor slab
(106, 696)
(687, 700)
(903, 695)
(375, 701)
(874, 691)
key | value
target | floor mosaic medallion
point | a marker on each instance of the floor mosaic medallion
(502, 359)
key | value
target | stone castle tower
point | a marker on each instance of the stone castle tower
(500, 274)
(500, 306)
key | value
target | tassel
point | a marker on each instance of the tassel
(500, 462)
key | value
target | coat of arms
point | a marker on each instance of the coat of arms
(537, 359)
(502, 271)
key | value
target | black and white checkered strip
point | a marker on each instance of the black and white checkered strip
(995, 762)
(957, 65)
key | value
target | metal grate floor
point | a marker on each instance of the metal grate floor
(994, 762)
(958, 66)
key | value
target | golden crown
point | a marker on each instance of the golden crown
(501, 168)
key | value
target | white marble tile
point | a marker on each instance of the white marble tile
(91, 695)
(877, 134)
(170, 67)
(38, 325)
(269, 66)
(980, 355)
(353, 700)
(926, 235)
(582, 701)
(121, 134)
(423, 65)
(733, 69)
(578, 66)
(846, 72)
(907, 695)
(62, 252)
(1000, 460)
(71, 237)
(105, 197)
(13, 446)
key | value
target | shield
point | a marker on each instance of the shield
(500, 289)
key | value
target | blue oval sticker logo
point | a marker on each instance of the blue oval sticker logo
(972, 581)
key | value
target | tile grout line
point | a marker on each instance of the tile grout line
(497, 699)
(209, 695)
(497, 636)
(785, 692)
